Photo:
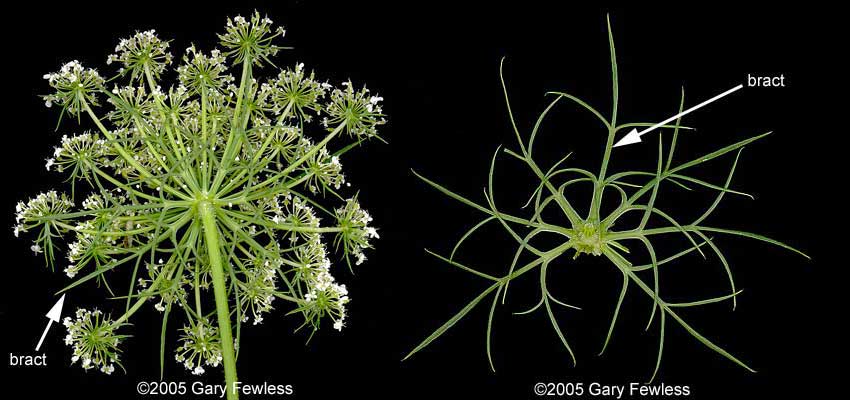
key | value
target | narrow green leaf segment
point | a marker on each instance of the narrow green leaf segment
(221, 199)
(597, 233)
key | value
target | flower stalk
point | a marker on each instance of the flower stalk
(207, 214)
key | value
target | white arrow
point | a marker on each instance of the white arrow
(53, 315)
(634, 136)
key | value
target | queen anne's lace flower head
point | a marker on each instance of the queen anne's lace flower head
(355, 232)
(285, 142)
(78, 154)
(163, 280)
(94, 245)
(358, 110)
(129, 102)
(197, 181)
(37, 214)
(44, 205)
(294, 212)
(200, 345)
(94, 340)
(325, 171)
(325, 298)
(200, 71)
(296, 89)
(252, 39)
(141, 53)
(258, 289)
(75, 86)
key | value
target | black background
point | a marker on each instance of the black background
(436, 64)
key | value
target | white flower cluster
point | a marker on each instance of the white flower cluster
(246, 145)
(200, 345)
(74, 85)
(359, 110)
(310, 257)
(322, 295)
(325, 296)
(294, 212)
(204, 71)
(93, 339)
(29, 214)
(142, 51)
(105, 199)
(251, 40)
(323, 170)
(295, 89)
(94, 202)
(257, 291)
(89, 247)
(356, 232)
(130, 102)
(73, 74)
(79, 152)
(164, 283)
(284, 143)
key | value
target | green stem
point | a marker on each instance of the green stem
(166, 204)
(205, 178)
(282, 226)
(291, 167)
(232, 137)
(131, 311)
(143, 297)
(241, 177)
(288, 298)
(94, 232)
(127, 157)
(220, 290)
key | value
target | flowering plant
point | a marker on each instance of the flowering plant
(208, 190)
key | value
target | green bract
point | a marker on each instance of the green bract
(207, 192)
(593, 234)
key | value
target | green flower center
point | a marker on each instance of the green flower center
(588, 239)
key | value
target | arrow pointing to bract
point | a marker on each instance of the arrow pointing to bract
(634, 136)
(54, 315)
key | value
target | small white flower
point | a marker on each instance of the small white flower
(71, 270)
